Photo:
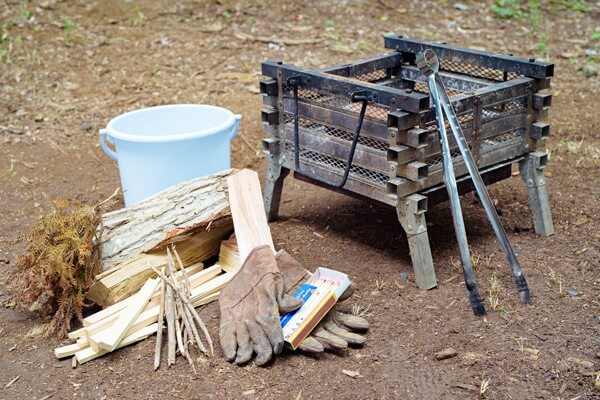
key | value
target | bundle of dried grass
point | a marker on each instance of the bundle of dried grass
(60, 262)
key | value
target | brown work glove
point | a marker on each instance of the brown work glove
(250, 306)
(335, 330)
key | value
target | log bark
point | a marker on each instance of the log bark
(165, 218)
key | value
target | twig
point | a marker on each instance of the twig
(169, 312)
(194, 330)
(178, 334)
(161, 314)
(203, 328)
(182, 268)
(178, 298)
(9, 384)
(191, 308)
(183, 306)
(185, 327)
(185, 340)
(109, 198)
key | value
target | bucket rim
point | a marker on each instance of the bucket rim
(225, 126)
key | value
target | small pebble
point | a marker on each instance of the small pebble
(445, 354)
(572, 292)
(86, 126)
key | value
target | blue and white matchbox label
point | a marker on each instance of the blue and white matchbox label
(304, 292)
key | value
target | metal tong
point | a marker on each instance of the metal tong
(429, 65)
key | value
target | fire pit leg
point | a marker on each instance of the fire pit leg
(532, 172)
(273, 187)
(411, 214)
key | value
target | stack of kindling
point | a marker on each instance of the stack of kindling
(136, 317)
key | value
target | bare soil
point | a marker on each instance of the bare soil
(70, 66)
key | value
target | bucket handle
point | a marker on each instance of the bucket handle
(103, 142)
(236, 125)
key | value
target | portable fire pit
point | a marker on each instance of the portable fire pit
(366, 129)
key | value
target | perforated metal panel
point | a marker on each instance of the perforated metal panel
(372, 76)
(337, 166)
(476, 70)
(344, 104)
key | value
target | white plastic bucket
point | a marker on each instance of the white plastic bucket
(161, 146)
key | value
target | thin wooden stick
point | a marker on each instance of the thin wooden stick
(178, 333)
(203, 328)
(191, 309)
(185, 276)
(185, 340)
(194, 330)
(178, 323)
(187, 323)
(159, 331)
(188, 312)
(183, 309)
(170, 314)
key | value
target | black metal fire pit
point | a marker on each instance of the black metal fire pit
(366, 128)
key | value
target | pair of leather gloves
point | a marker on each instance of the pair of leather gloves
(253, 300)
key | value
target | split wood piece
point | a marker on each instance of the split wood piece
(206, 299)
(161, 314)
(248, 212)
(165, 218)
(83, 342)
(209, 287)
(196, 279)
(229, 257)
(144, 319)
(110, 340)
(68, 350)
(89, 354)
(127, 277)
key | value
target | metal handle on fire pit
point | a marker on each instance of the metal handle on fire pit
(363, 96)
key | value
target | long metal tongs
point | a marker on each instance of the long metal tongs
(428, 63)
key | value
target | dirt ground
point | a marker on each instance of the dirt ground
(68, 67)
